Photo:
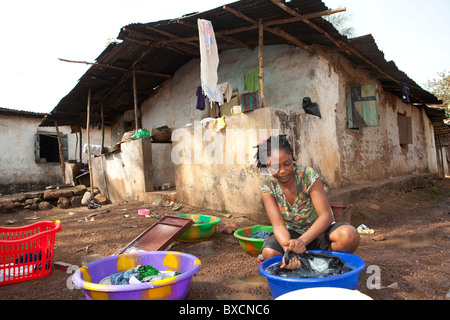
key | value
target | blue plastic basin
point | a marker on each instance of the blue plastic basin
(281, 285)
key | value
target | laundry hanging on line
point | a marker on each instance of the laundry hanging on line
(251, 81)
(405, 93)
(209, 57)
(226, 90)
(200, 99)
(222, 93)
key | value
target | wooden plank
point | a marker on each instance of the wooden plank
(159, 235)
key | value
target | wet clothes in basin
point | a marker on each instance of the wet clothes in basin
(314, 265)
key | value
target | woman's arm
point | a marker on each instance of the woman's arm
(280, 231)
(322, 207)
(276, 219)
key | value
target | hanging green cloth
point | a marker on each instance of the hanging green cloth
(251, 81)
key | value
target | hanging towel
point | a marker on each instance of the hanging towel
(217, 96)
(209, 57)
(200, 99)
(226, 90)
(251, 81)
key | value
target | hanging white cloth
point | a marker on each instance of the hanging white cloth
(209, 57)
(226, 89)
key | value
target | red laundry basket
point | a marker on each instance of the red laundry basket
(26, 252)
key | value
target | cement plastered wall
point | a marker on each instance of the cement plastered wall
(218, 170)
(95, 134)
(373, 153)
(290, 75)
(164, 168)
(18, 168)
(342, 156)
(126, 175)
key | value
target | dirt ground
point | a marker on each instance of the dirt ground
(409, 248)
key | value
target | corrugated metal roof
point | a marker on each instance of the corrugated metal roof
(436, 114)
(154, 47)
(21, 113)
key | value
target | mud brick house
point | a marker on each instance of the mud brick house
(149, 78)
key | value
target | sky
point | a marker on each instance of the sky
(35, 34)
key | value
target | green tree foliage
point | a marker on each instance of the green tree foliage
(341, 22)
(440, 87)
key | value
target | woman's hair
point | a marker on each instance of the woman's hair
(267, 146)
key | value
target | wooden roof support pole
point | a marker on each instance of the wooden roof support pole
(172, 36)
(171, 44)
(342, 44)
(135, 101)
(61, 155)
(76, 146)
(88, 124)
(309, 23)
(125, 75)
(261, 62)
(219, 35)
(305, 16)
(149, 73)
(103, 126)
(81, 145)
(276, 31)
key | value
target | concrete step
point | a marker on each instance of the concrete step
(163, 195)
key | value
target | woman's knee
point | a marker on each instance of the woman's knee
(270, 253)
(345, 238)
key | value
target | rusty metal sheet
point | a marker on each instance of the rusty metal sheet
(159, 236)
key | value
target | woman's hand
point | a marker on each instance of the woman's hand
(296, 246)
(294, 263)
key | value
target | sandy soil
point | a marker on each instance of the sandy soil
(409, 248)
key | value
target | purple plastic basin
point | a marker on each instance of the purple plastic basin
(175, 288)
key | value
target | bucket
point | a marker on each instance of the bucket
(204, 227)
(281, 285)
(89, 276)
(252, 246)
(342, 212)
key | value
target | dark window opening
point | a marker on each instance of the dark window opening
(47, 149)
